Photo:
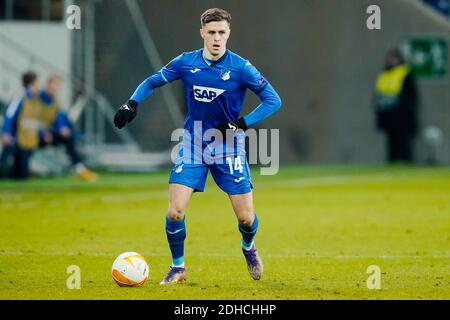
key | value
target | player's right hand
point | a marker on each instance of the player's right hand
(7, 139)
(125, 114)
(47, 138)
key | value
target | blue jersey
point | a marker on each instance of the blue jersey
(215, 90)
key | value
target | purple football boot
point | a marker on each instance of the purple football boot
(254, 263)
(175, 275)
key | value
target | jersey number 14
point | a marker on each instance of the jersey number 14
(237, 164)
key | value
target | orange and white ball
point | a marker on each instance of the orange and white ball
(130, 270)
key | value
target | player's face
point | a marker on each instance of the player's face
(215, 35)
(33, 87)
(53, 87)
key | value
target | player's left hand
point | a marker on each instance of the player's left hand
(233, 125)
(125, 114)
(65, 132)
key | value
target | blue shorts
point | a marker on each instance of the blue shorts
(233, 176)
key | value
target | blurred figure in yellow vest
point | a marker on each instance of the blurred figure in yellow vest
(30, 87)
(39, 121)
(397, 107)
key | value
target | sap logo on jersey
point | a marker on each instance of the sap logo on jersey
(205, 94)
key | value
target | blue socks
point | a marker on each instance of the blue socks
(176, 234)
(248, 234)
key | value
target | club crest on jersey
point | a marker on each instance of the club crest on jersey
(225, 75)
(205, 94)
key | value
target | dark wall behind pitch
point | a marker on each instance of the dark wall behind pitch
(318, 54)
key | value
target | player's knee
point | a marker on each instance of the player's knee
(175, 213)
(246, 218)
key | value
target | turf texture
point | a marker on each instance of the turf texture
(321, 227)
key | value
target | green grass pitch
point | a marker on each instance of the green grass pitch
(320, 228)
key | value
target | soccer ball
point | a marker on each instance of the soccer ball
(130, 270)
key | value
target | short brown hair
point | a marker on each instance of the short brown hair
(54, 78)
(215, 14)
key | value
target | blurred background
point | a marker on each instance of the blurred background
(319, 55)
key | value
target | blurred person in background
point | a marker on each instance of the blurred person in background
(29, 88)
(396, 107)
(38, 121)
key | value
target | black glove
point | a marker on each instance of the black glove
(125, 114)
(233, 125)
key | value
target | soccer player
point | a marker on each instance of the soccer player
(215, 80)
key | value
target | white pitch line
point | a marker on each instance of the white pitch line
(135, 196)
(219, 255)
(335, 180)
